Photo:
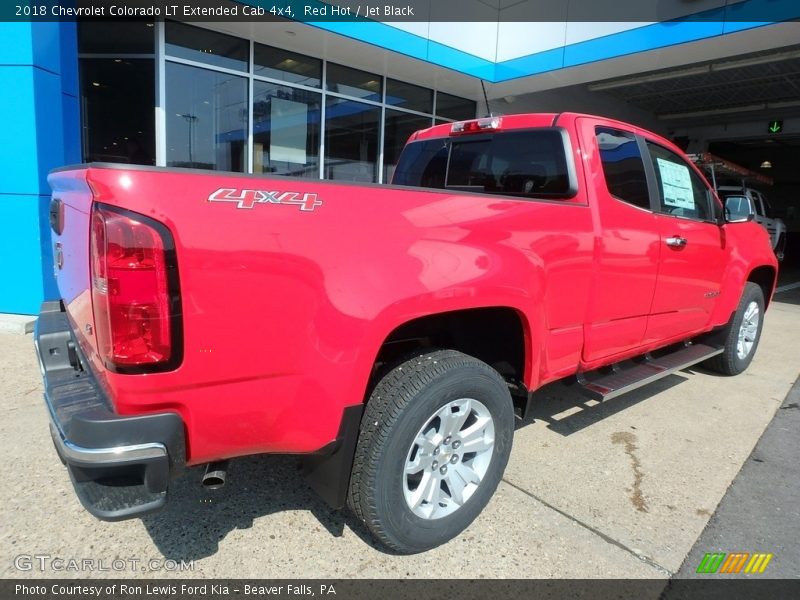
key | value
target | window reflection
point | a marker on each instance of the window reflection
(398, 128)
(286, 124)
(116, 37)
(114, 87)
(352, 82)
(202, 45)
(406, 95)
(207, 109)
(287, 66)
(454, 107)
(351, 140)
(206, 116)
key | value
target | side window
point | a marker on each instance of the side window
(623, 166)
(682, 193)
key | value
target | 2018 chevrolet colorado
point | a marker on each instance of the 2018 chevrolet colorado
(385, 333)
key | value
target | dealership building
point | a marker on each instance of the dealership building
(337, 99)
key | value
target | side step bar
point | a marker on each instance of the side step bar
(621, 381)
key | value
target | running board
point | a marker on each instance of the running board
(621, 381)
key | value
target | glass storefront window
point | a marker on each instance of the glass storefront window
(206, 114)
(202, 45)
(398, 128)
(406, 95)
(351, 140)
(208, 76)
(116, 37)
(286, 123)
(117, 115)
(454, 107)
(352, 82)
(286, 66)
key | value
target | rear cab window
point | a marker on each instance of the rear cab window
(530, 163)
(623, 167)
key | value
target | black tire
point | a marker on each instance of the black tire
(401, 405)
(730, 362)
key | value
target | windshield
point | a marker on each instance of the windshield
(529, 163)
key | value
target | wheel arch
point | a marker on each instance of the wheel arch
(765, 277)
(497, 335)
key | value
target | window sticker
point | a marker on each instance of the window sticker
(676, 184)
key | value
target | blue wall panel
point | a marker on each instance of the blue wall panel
(41, 131)
(72, 130)
(46, 46)
(18, 152)
(23, 288)
(16, 48)
(69, 64)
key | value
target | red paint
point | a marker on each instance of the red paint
(287, 300)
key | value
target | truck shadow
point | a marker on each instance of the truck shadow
(196, 520)
(566, 411)
(788, 297)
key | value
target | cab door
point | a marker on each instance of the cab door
(627, 243)
(693, 249)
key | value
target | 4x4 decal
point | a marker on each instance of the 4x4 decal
(249, 198)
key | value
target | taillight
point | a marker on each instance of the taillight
(475, 126)
(134, 291)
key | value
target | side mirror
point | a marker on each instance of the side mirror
(739, 209)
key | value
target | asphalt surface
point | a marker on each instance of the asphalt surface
(761, 510)
(622, 489)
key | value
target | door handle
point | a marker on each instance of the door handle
(676, 241)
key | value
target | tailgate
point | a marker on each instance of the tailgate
(70, 209)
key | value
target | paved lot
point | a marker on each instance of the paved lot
(761, 511)
(621, 489)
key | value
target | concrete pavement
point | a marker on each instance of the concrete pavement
(621, 489)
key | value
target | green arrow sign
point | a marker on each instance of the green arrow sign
(775, 126)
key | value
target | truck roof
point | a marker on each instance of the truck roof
(531, 120)
(521, 121)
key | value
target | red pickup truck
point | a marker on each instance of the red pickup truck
(388, 334)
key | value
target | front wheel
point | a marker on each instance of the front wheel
(743, 333)
(434, 442)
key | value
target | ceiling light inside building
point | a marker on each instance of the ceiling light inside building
(766, 165)
(610, 85)
(697, 70)
(714, 111)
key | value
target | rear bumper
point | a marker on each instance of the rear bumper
(120, 466)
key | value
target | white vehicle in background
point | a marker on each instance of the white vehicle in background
(763, 211)
(718, 168)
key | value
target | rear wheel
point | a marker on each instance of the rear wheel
(434, 443)
(743, 334)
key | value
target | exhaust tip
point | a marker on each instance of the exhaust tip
(215, 475)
